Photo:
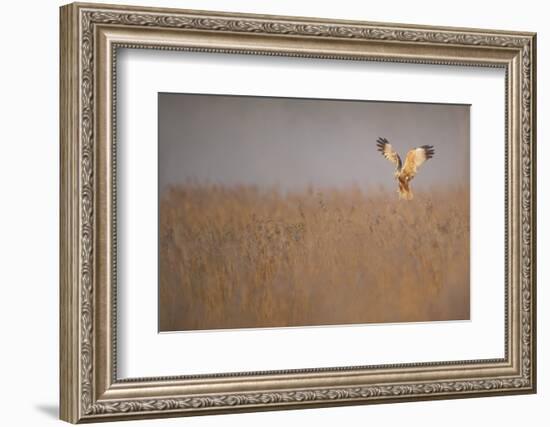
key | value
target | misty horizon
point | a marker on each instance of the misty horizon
(292, 144)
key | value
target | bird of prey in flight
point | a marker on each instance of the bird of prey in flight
(404, 173)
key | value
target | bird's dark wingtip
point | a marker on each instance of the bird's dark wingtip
(428, 150)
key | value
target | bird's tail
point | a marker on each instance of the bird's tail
(405, 195)
(404, 191)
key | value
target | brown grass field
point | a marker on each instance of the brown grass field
(243, 258)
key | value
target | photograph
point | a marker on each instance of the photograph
(264, 210)
(286, 212)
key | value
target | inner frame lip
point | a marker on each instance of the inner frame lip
(458, 364)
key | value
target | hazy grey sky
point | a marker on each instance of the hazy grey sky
(291, 143)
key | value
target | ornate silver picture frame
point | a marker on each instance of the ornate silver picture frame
(91, 35)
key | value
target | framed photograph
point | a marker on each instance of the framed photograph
(265, 212)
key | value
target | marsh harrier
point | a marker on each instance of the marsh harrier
(404, 173)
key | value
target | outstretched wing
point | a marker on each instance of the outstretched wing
(416, 158)
(388, 152)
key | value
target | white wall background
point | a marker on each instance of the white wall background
(29, 171)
